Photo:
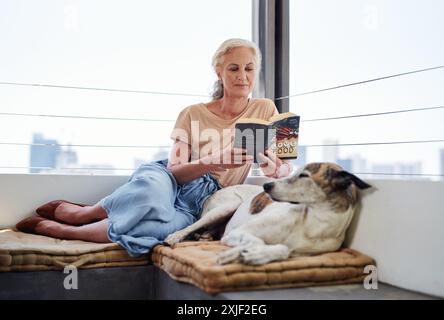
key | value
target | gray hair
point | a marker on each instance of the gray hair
(224, 48)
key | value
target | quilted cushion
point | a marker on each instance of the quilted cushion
(195, 262)
(27, 252)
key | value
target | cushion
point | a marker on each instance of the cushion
(195, 262)
(28, 252)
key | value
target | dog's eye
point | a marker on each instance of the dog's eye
(303, 175)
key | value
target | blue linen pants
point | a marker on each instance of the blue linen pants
(152, 205)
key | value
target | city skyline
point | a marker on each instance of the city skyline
(80, 45)
(64, 160)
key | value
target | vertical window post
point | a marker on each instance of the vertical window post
(271, 33)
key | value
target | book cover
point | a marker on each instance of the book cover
(280, 134)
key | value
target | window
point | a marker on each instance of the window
(334, 43)
(154, 46)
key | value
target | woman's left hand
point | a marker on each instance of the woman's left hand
(272, 166)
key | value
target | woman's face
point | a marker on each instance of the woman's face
(238, 72)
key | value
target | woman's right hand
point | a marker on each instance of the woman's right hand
(228, 158)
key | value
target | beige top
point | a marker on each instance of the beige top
(204, 130)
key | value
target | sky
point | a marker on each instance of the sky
(339, 42)
(166, 46)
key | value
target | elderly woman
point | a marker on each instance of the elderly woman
(165, 196)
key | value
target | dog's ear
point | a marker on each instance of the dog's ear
(343, 179)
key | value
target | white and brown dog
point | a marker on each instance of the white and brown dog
(306, 213)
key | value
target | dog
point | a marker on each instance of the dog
(304, 214)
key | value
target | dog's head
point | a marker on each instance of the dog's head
(318, 183)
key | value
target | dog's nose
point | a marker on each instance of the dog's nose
(268, 186)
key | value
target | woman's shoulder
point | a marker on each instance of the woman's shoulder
(265, 105)
(192, 111)
(194, 108)
(264, 102)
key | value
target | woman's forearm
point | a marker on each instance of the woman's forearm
(186, 172)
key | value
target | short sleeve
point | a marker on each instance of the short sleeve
(271, 108)
(182, 127)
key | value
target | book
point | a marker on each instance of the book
(280, 134)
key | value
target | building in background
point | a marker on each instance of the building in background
(359, 164)
(44, 154)
(48, 157)
(396, 170)
(346, 164)
(67, 158)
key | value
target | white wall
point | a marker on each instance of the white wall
(400, 225)
(20, 194)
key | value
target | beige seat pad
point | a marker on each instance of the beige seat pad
(195, 263)
(27, 252)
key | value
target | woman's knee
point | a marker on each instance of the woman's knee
(153, 175)
(159, 186)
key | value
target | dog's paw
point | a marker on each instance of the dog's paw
(174, 238)
(228, 256)
(262, 254)
(254, 255)
(238, 238)
(206, 236)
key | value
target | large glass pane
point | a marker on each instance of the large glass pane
(341, 42)
(156, 46)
